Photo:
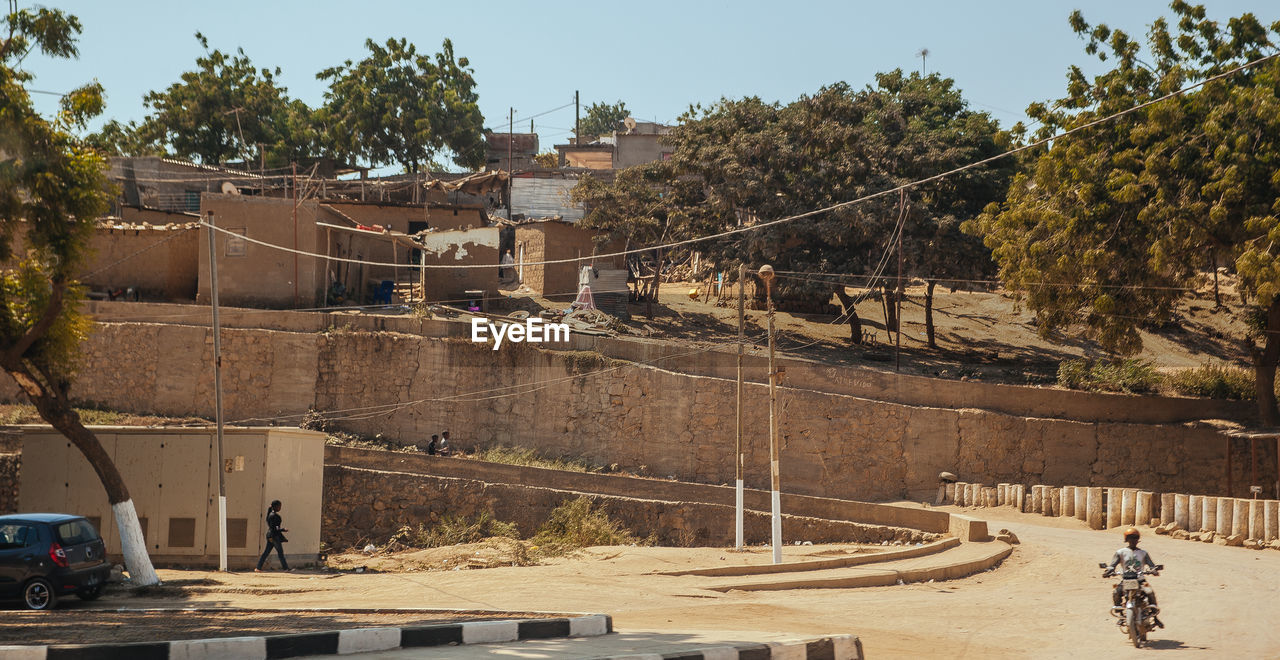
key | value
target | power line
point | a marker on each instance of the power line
(809, 214)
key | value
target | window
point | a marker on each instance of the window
(182, 532)
(14, 536)
(75, 532)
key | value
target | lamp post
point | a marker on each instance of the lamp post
(766, 274)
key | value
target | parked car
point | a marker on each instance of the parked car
(47, 555)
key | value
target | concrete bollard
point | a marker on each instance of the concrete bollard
(1020, 498)
(962, 493)
(975, 495)
(1256, 531)
(1049, 507)
(949, 494)
(1209, 521)
(1113, 508)
(1093, 506)
(1143, 506)
(1226, 507)
(1270, 520)
(1182, 510)
(1082, 503)
(1240, 517)
(1002, 494)
(1037, 499)
(1166, 508)
(1067, 507)
(992, 496)
(1128, 499)
(1195, 509)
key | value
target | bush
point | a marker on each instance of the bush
(575, 524)
(1216, 381)
(531, 458)
(452, 530)
(1131, 375)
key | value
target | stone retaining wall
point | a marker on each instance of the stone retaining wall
(10, 466)
(641, 418)
(369, 506)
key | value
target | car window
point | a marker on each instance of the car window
(13, 536)
(75, 532)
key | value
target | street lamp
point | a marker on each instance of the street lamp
(766, 274)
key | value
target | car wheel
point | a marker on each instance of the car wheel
(90, 593)
(39, 595)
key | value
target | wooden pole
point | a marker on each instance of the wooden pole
(737, 445)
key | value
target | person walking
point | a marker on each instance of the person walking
(275, 537)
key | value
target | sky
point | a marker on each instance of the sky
(658, 56)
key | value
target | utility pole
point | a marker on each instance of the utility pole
(296, 300)
(775, 481)
(511, 129)
(737, 445)
(577, 119)
(217, 394)
(897, 348)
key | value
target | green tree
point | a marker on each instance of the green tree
(52, 190)
(602, 119)
(1112, 222)
(223, 110)
(398, 106)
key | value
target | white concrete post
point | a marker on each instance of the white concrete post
(1093, 504)
(1142, 507)
(1195, 508)
(1270, 520)
(1209, 522)
(1128, 498)
(1113, 508)
(1240, 517)
(1082, 502)
(1256, 531)
(1049, 506)
(949, 494)
(1002, 494)
(962, 489)
(1068, 507)
(1037, 499)
(992, 498)
(1166, 508)
(1226, 507)
(1182, 510)
(1021, 496)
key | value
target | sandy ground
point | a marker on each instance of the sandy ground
(1047, 600)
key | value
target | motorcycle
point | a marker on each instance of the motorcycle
(1137, 616)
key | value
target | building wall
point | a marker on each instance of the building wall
(594, 159)
(549, 241)
(470, 246)
(173, 480)
(160, 262)
(398, 217)
(642, 418)
(638, 149)
(264, 276)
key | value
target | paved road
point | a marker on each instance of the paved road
(1047, 600)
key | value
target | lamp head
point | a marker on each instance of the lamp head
(766, 273)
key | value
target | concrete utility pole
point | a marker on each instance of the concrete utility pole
(511, 133)
(217, 393)
(737, 445)
(577, 119)
(775, 481)
(294, 193)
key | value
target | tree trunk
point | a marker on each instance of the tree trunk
(850, 310)
(1264, 367)
(49, 398)
(928, 312)
(890, 301)
(1213, 263)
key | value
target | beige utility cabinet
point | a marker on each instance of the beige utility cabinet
(172, 475)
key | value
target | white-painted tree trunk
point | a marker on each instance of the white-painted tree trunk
(133, 545)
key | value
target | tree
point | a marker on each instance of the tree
(397, 106)
(602, 119)
(1113, 222)
(223, 110)
(549, 160)
(52, 190)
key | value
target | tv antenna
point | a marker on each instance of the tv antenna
(923, 54)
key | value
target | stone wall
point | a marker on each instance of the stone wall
(643, 419)
(10, 466)
(369, 506)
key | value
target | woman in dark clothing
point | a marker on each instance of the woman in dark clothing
(275, 537)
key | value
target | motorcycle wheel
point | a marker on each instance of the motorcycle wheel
(1131, 617)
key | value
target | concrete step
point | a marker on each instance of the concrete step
(895, 554)
(959, 561)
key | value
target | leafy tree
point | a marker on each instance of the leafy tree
(1113, 221)
(222, 111)
(397, 106)
(549, 160)
(52, 189)
(602, 119)
(124, 139)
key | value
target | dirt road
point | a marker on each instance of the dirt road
(1046, 601)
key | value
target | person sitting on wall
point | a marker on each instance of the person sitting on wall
(443, 448)
(432, 446)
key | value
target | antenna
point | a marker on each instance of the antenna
(923, 54)
(630, 123)
(229, 188)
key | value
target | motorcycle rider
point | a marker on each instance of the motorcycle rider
(1132, 559)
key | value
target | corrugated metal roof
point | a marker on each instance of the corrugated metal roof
(544, 198)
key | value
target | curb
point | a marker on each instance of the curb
(836, 647)
(922, 550)
(354, 640)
